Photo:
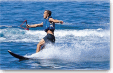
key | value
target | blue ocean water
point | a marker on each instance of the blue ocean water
(82, 42)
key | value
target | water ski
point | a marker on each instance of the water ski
(18, 56)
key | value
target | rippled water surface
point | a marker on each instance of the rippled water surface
(82, 42)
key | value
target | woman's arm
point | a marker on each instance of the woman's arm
(55, 21)
(35, 25)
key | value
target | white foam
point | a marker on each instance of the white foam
(2, 39)
(83, 33)
(74, 53)
(71, 45)
(18, 35)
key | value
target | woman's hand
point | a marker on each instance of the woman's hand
(28, 26)
(61, 22)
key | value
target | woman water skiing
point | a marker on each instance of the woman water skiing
(49, 27)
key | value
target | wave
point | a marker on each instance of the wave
(19, 35)
(72, 53)
(71, 45)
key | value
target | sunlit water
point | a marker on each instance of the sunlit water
(82, 42)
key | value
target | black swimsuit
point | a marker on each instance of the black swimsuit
(49, 38)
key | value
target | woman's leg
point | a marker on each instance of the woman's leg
(42, 42)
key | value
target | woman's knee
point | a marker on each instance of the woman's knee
(42, 42)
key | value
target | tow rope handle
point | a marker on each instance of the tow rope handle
(26, 24)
